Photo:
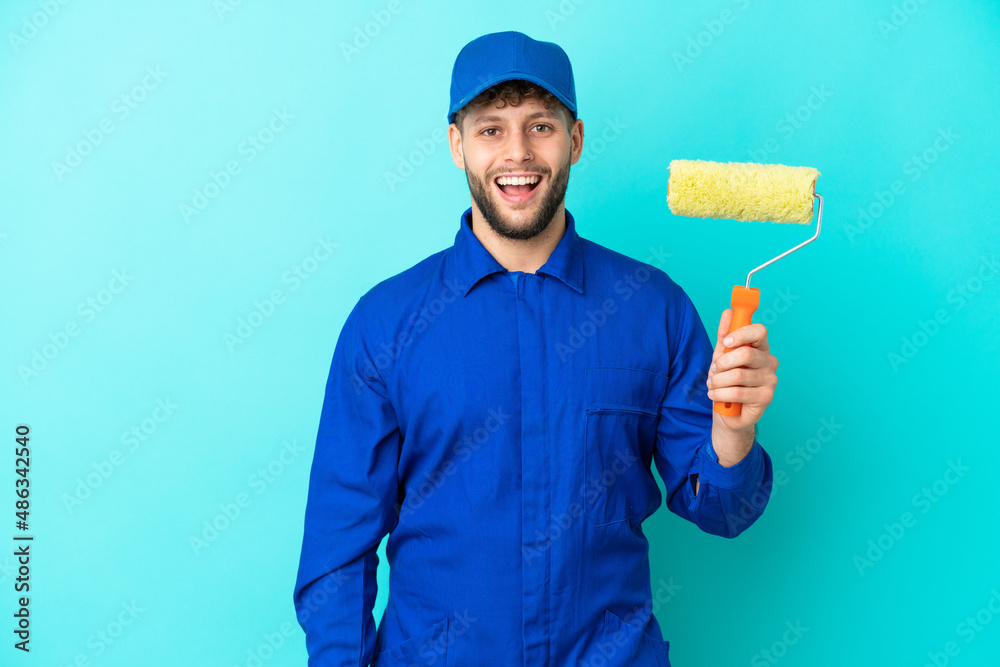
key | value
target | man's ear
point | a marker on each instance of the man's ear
(576, 141)
(455, 144)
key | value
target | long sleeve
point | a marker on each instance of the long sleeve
(729, 500)
(350, 506)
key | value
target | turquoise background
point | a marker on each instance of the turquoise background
(859, 90)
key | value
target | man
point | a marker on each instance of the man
(496, 409)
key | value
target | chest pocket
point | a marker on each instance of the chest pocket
(622, 405)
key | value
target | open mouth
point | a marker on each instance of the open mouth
(517, 188)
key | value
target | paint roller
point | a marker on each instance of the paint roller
(751, 193)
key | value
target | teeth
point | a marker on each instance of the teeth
(518, 180)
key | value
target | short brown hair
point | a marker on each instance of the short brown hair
(513, 92)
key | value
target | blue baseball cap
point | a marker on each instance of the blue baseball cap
(502, 56)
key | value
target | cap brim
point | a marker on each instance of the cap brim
(510, 76)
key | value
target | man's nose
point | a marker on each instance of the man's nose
(518, 147)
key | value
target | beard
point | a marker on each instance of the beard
(546, 209)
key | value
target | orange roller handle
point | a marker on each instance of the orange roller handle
(745, 301)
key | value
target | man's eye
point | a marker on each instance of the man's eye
(543, 126)
(488, 130)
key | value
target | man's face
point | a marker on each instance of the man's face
(527, 141)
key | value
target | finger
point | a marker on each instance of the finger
(745, 356)
(725, 322)
(735, 358)
(743, 377)
(743, 395)
(754, 334)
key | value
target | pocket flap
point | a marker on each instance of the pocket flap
(431, 642)
(633, 389)
(637, 649)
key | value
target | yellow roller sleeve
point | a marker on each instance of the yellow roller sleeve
(741, 191)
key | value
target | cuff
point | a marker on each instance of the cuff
(749, 469)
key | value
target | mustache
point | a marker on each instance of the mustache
(542, 171)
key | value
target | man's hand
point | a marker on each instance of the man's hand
(744, 375)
